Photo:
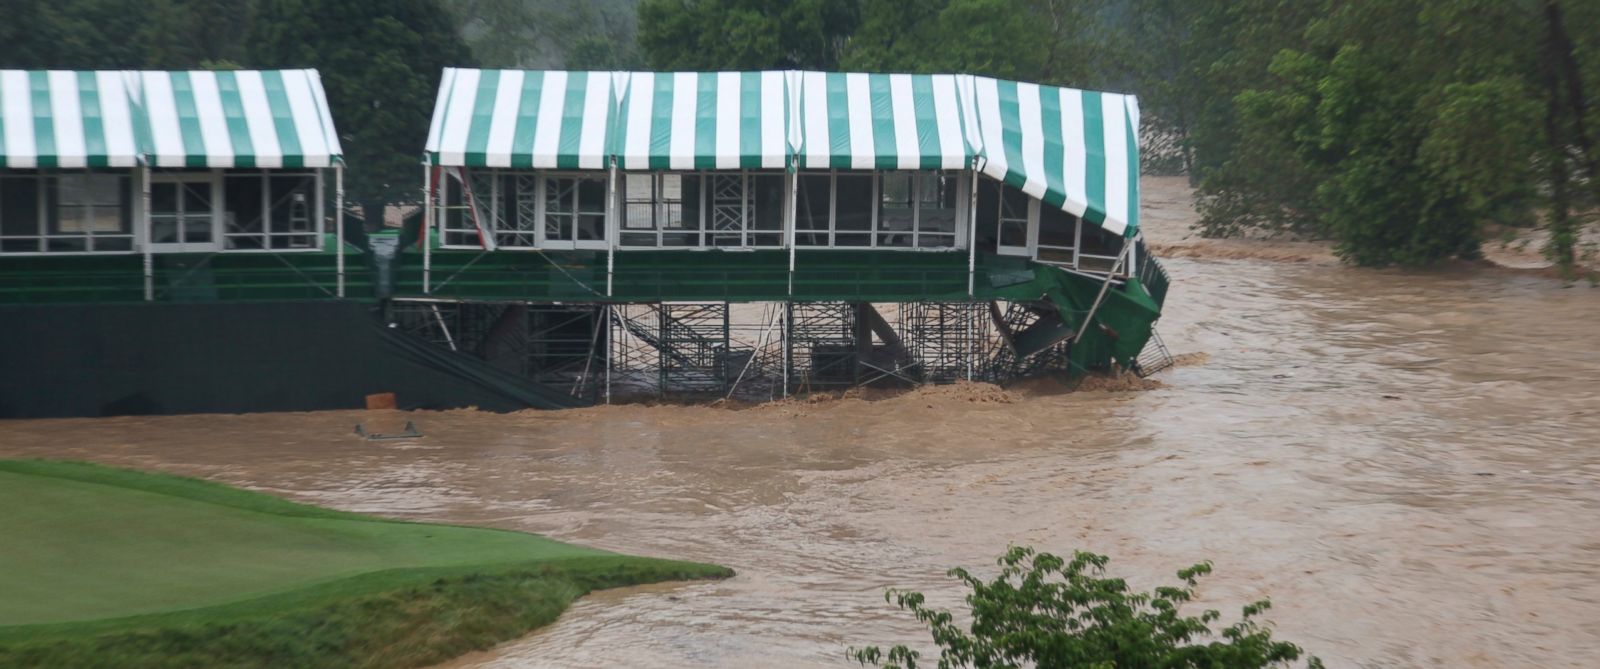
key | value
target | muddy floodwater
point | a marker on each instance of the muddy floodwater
(1407, 463)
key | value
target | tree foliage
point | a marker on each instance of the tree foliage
(380, 64)
(1052, 612)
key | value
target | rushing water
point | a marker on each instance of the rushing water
(1408, 464)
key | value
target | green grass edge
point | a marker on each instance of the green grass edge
(391, 618)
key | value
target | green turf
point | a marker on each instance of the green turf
(95, 559)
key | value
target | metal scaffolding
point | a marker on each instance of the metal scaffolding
(821, 341)
(950, 341)
(752, 351)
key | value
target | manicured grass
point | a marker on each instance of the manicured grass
(109, 567)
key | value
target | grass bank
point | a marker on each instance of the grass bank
(104, 567)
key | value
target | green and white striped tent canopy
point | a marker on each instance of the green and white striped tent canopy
(1072, 149)
(1077, 150)
(882, 121)
(247, 118)
(66, 119)
(696, 120)
(523, 119)
(61, 119)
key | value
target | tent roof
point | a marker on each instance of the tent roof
(66, 119)
(882, 121)
(525, 119)
(694, 120)
(1072, 149)
(246, 118)
(1077, 150)
(272, 118)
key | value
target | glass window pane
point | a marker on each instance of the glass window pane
(639, 216)
(812, 207)
(895, 198)
(1096, 241)
(592, 196)
(592, 227)
(1013, 233)
(1013, 203)
(769, 210)
(19, 207)
(937, 194)
(684, 209)
(293, 209)
(1057, 228)
(854, 206)
(241, 196)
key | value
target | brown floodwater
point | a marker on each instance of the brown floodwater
(1408, 464)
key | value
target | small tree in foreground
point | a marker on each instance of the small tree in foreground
(1048, 612)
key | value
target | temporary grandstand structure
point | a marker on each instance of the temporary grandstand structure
(749, 160)
(805, 188)
(148, 164)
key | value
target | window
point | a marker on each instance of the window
(181, 215)
(458, 219)
(1058, 236)
(1014, 205)
(574, 210)
(20, 223)
(264, 210)
(852, 221)
(899, 209)
(938, 196)
(1099, 249)
(813, 210)
(67, 212)
(661, 210)
(721, 209)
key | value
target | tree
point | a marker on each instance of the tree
(745, 34)
(380, 63)
(1051, 612)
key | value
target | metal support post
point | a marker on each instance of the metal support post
(972, 232)
(427, 227)
(794, 220)
(149, 259)
(338, 218)
(611, 227)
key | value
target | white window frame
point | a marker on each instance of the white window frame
(702, 231)
(541, 231)
(214, 180)
(318, 231)
(874, 235)
(42, 182)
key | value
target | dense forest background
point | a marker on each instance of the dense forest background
(1405, 130)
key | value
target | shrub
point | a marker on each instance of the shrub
(1045, 611)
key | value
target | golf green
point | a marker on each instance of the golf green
(89, 550)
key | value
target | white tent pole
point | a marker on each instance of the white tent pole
(972, 232)
(794, 217)
(611, 230)
(427, 227)
(611, 332)
(149, 260)
(338, 218)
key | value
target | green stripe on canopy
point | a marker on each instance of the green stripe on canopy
(244, 118)
(66, 119)
(1072, 149)
(703, 120)
(522, 119)
(881, 121)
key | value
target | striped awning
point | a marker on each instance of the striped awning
(1077, 150)
(882, 121)
(716, 120)
(66, 119)
(523, 119)
(1072, 149)
(245, 118)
